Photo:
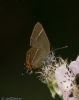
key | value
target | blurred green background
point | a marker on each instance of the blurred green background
(60, 19)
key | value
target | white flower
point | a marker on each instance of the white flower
(65, 77)
(74, 66)
(61, 77)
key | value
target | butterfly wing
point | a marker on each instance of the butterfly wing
(39, 38)
(40, 47)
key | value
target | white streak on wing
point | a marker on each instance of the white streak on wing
(39, 33)
(35, 55)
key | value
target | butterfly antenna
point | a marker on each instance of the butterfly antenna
(60, 48)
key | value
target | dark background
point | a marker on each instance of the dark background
(17, 18)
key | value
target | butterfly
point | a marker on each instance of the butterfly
(40, 48)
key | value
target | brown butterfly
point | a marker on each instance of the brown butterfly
(40, 48)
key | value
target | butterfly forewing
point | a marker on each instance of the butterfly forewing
(39, 38)
(40, 47)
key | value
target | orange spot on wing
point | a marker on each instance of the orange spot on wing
(29, 63)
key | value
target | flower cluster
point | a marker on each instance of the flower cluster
(61, 78)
